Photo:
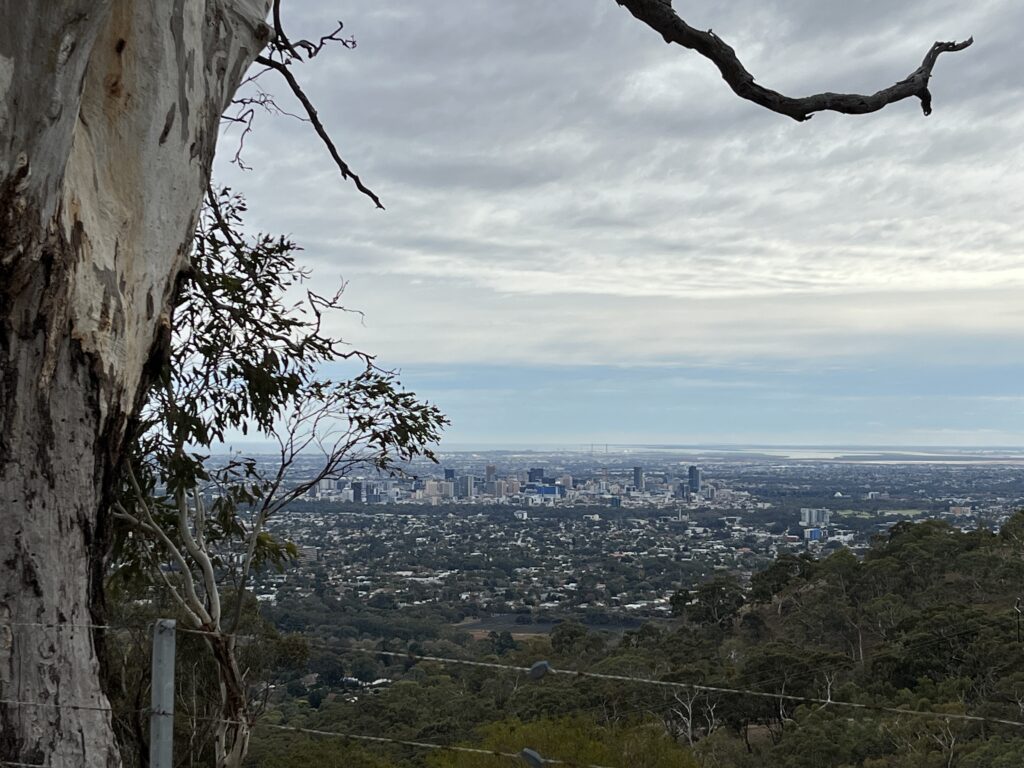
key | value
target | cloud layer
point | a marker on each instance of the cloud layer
(565, 189)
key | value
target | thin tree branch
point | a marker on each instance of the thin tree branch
(281, 39)
(121, 514)
(195, 604)
(197, 620)
(202, 559)
(659, 16)
(318, 126)
(312, 49)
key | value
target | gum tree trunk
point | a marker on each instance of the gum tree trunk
(108, 120)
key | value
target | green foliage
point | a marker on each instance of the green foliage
(1012, 531)
(278, 749)
(245, 357)
(575, 740)
(678, 602)
(269, 658)
(924, 622)
(767, 583)
(567, 637)
(503, 642)
(717, 601)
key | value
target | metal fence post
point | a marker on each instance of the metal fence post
(161, 717)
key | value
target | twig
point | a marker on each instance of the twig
(318, 126)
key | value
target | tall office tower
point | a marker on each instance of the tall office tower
(536, 475)
(357, 491)
(491, 472)
(694, 479)
(638, 478)
(449, 474)
(812, 517)
(464, 487)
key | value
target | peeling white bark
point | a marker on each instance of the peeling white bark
(108, 120)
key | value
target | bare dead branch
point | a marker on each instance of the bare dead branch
(660, 16)
(312, 49)
(250, 78)
(314, 118)
(245, 118)
(245, 115)
(281, 40)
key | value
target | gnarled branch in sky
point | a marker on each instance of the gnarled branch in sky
(662, 18)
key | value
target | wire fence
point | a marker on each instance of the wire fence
(524, 754)
(581, 674)
(536, 671)
(49, 705)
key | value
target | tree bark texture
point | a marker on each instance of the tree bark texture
(109, 112)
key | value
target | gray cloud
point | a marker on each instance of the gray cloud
(563, 187)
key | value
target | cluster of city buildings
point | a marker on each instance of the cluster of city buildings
(587, 535)
(534, 486)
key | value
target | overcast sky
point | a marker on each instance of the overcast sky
(588, 237)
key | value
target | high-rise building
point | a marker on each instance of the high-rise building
(694, 478)
(449, 474)
(491, 473)
(638, 478)
(464, 487)
(536, 475)
(357, 490)
(814, 517)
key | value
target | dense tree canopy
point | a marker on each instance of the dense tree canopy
(923, 623)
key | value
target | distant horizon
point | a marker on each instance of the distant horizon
(605, 256)
(711, 444)
(267, 448)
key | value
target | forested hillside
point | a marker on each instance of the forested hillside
(925, 622)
